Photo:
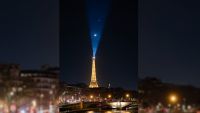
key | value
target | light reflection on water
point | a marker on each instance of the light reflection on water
(112, 111)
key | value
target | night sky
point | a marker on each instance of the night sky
(170, 40)
(116, 58)
(29, 32)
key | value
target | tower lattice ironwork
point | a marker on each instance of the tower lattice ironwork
(93, 82)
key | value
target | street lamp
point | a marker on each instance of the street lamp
(109, 96)
(51, 96)
(41, 101)
(173, 98)
(11, 93)
(91, 96)
(127, 95)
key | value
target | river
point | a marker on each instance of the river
(111, 111)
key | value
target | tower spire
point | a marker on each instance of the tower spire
(93, 82)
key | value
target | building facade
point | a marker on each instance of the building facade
(41, 85)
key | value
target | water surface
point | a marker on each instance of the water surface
(111, 111)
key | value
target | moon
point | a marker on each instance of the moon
(95, 35)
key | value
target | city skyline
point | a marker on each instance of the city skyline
(131, 56)
(31, 38)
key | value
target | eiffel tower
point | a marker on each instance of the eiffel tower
(93, 82)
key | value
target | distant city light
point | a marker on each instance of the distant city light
(11, 93)
(109, 96)
(127, 95)
(34, 103)
(173, 98)
(91, 96)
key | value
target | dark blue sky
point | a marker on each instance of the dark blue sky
(97, 11)
(29, 32)
(117, 55)
(169, 40)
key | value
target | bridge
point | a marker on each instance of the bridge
(84, 106)
(119, 105)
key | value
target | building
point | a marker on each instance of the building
(153, 91)
(9, 78)
(70, 94)
(23, 88)
(41, 85)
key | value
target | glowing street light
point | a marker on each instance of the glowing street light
(127, 95)
(109, 96)
(173, 98)
(34, 103)
(11, 93)
(91, 96)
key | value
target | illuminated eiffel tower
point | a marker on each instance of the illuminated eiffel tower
(93, 82)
